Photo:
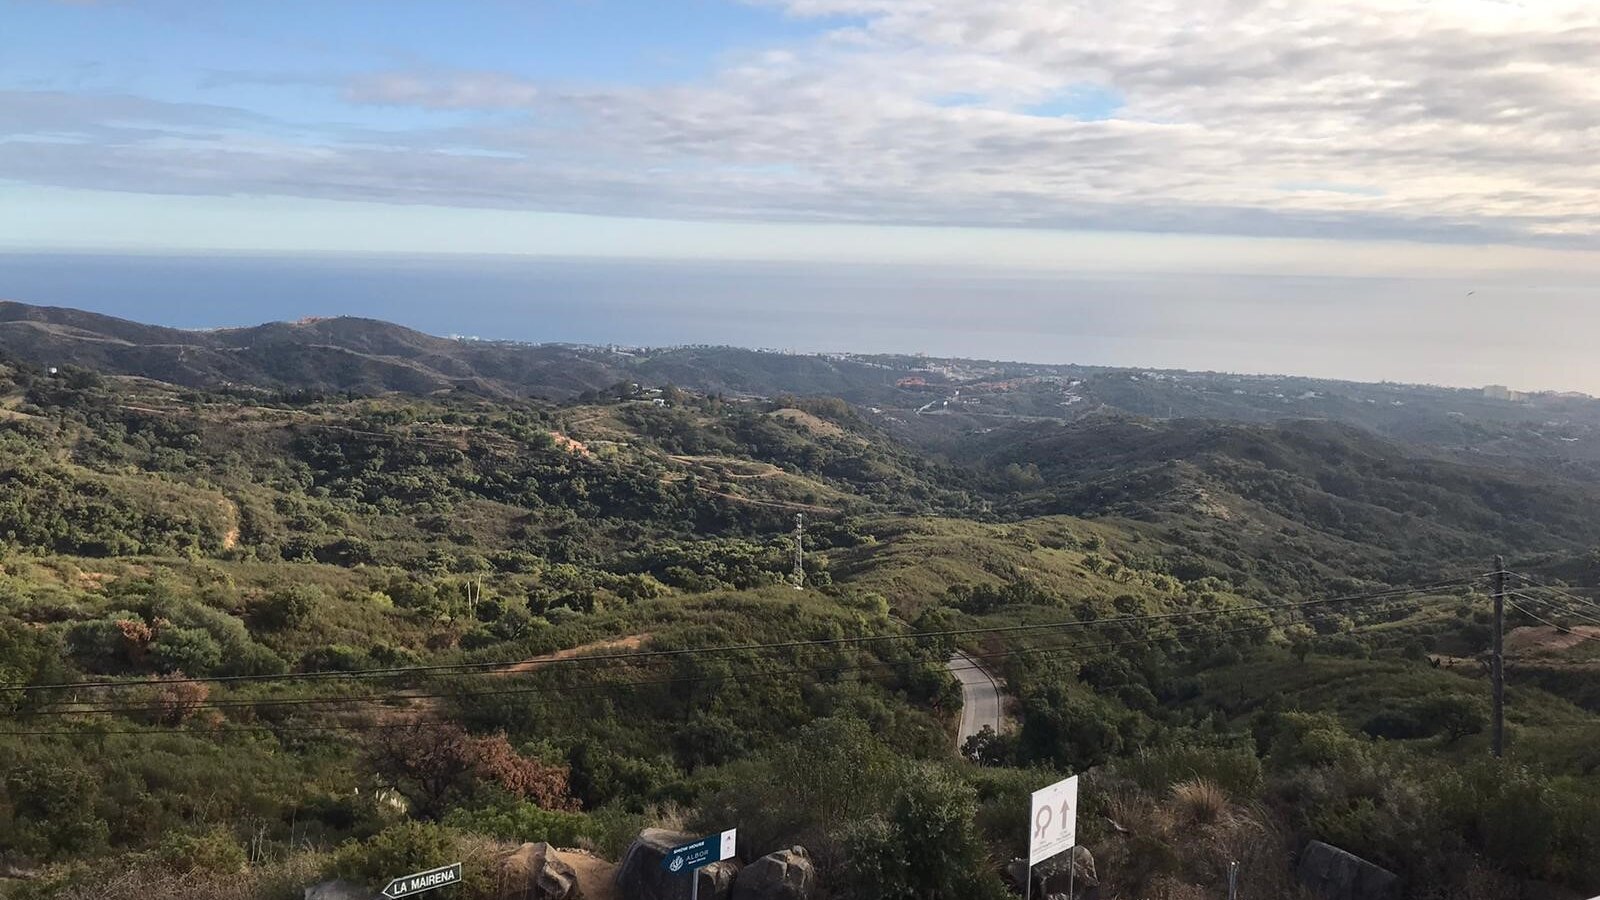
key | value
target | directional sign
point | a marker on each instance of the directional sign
(1053, 825)
(433, 879)
(701, 853)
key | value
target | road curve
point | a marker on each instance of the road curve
(980, 697)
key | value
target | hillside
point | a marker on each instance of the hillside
(582, 609)
(934, 403)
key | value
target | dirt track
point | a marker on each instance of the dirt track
(533, 664)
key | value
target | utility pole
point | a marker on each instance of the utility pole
(799, 551)
(1498, 661)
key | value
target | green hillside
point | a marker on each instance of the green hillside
(282, 607)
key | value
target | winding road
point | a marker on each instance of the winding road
(980, 697)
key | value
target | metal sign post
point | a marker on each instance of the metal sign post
(420, 882)
(1053, 827)
(693, 857)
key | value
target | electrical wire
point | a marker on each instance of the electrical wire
(463, 668)
(1559, 610)
(563, 692)
(1581, 600)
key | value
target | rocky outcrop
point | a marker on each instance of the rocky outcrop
(338, 890)
(1054, 876)
(641, 876)
(784, 875)
(1336, 874)
(532, 872)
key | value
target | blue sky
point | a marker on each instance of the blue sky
(1415, 139)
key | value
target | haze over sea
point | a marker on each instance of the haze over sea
(1362, 328)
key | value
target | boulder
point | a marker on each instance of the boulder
(641, 877)
(784, 875)
(1339, 875)
(1054, 876)
(532, 872)
(338, 890)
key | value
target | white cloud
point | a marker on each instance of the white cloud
(1462, 119)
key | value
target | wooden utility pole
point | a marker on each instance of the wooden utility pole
(1498, 661)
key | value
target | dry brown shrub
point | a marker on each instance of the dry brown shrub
(178, 700)
(1200, 802)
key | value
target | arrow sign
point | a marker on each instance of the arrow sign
(701, 853)
(433, 879)
(1053, 821)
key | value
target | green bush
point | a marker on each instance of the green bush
(215, 850)
(524, 822)
(926, 847)
(288, 607)
(191, 651)
(395, 851)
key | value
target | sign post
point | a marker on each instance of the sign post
(431, 880)
(693, 857)
(1053, 827)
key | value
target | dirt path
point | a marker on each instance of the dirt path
(774, 504)
(727, 465)
(533, 664)
(230, 539)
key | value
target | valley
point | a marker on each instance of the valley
(326, 599)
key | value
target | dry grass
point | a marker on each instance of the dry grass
(276, 881)
(1178, 846)
(1200, 802)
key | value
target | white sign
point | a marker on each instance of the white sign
(729, 838)
(433, 879)
(1053, 824)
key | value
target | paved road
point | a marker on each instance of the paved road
(980, 697)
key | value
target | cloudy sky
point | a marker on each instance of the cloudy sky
(1449, 144)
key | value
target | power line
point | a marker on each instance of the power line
(464, 668)
(1538, 618)
(611, 687)
(1560, 605)
(1585, 601)
(1559, 610)
(568, 691)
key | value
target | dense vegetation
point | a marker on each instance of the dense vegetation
(564, 561)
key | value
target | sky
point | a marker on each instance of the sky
(1375, 188)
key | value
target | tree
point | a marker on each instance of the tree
(926, 848)
(436, 767)
(986, 748)
(1453, 715)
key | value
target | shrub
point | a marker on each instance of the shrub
(1236, 770)
(288, 607)
(1309, 739)
(214, 851)
(926, 847)
(395, 851)
(437, 767)
(524, 822)
(190, 650)
(1199, 802)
